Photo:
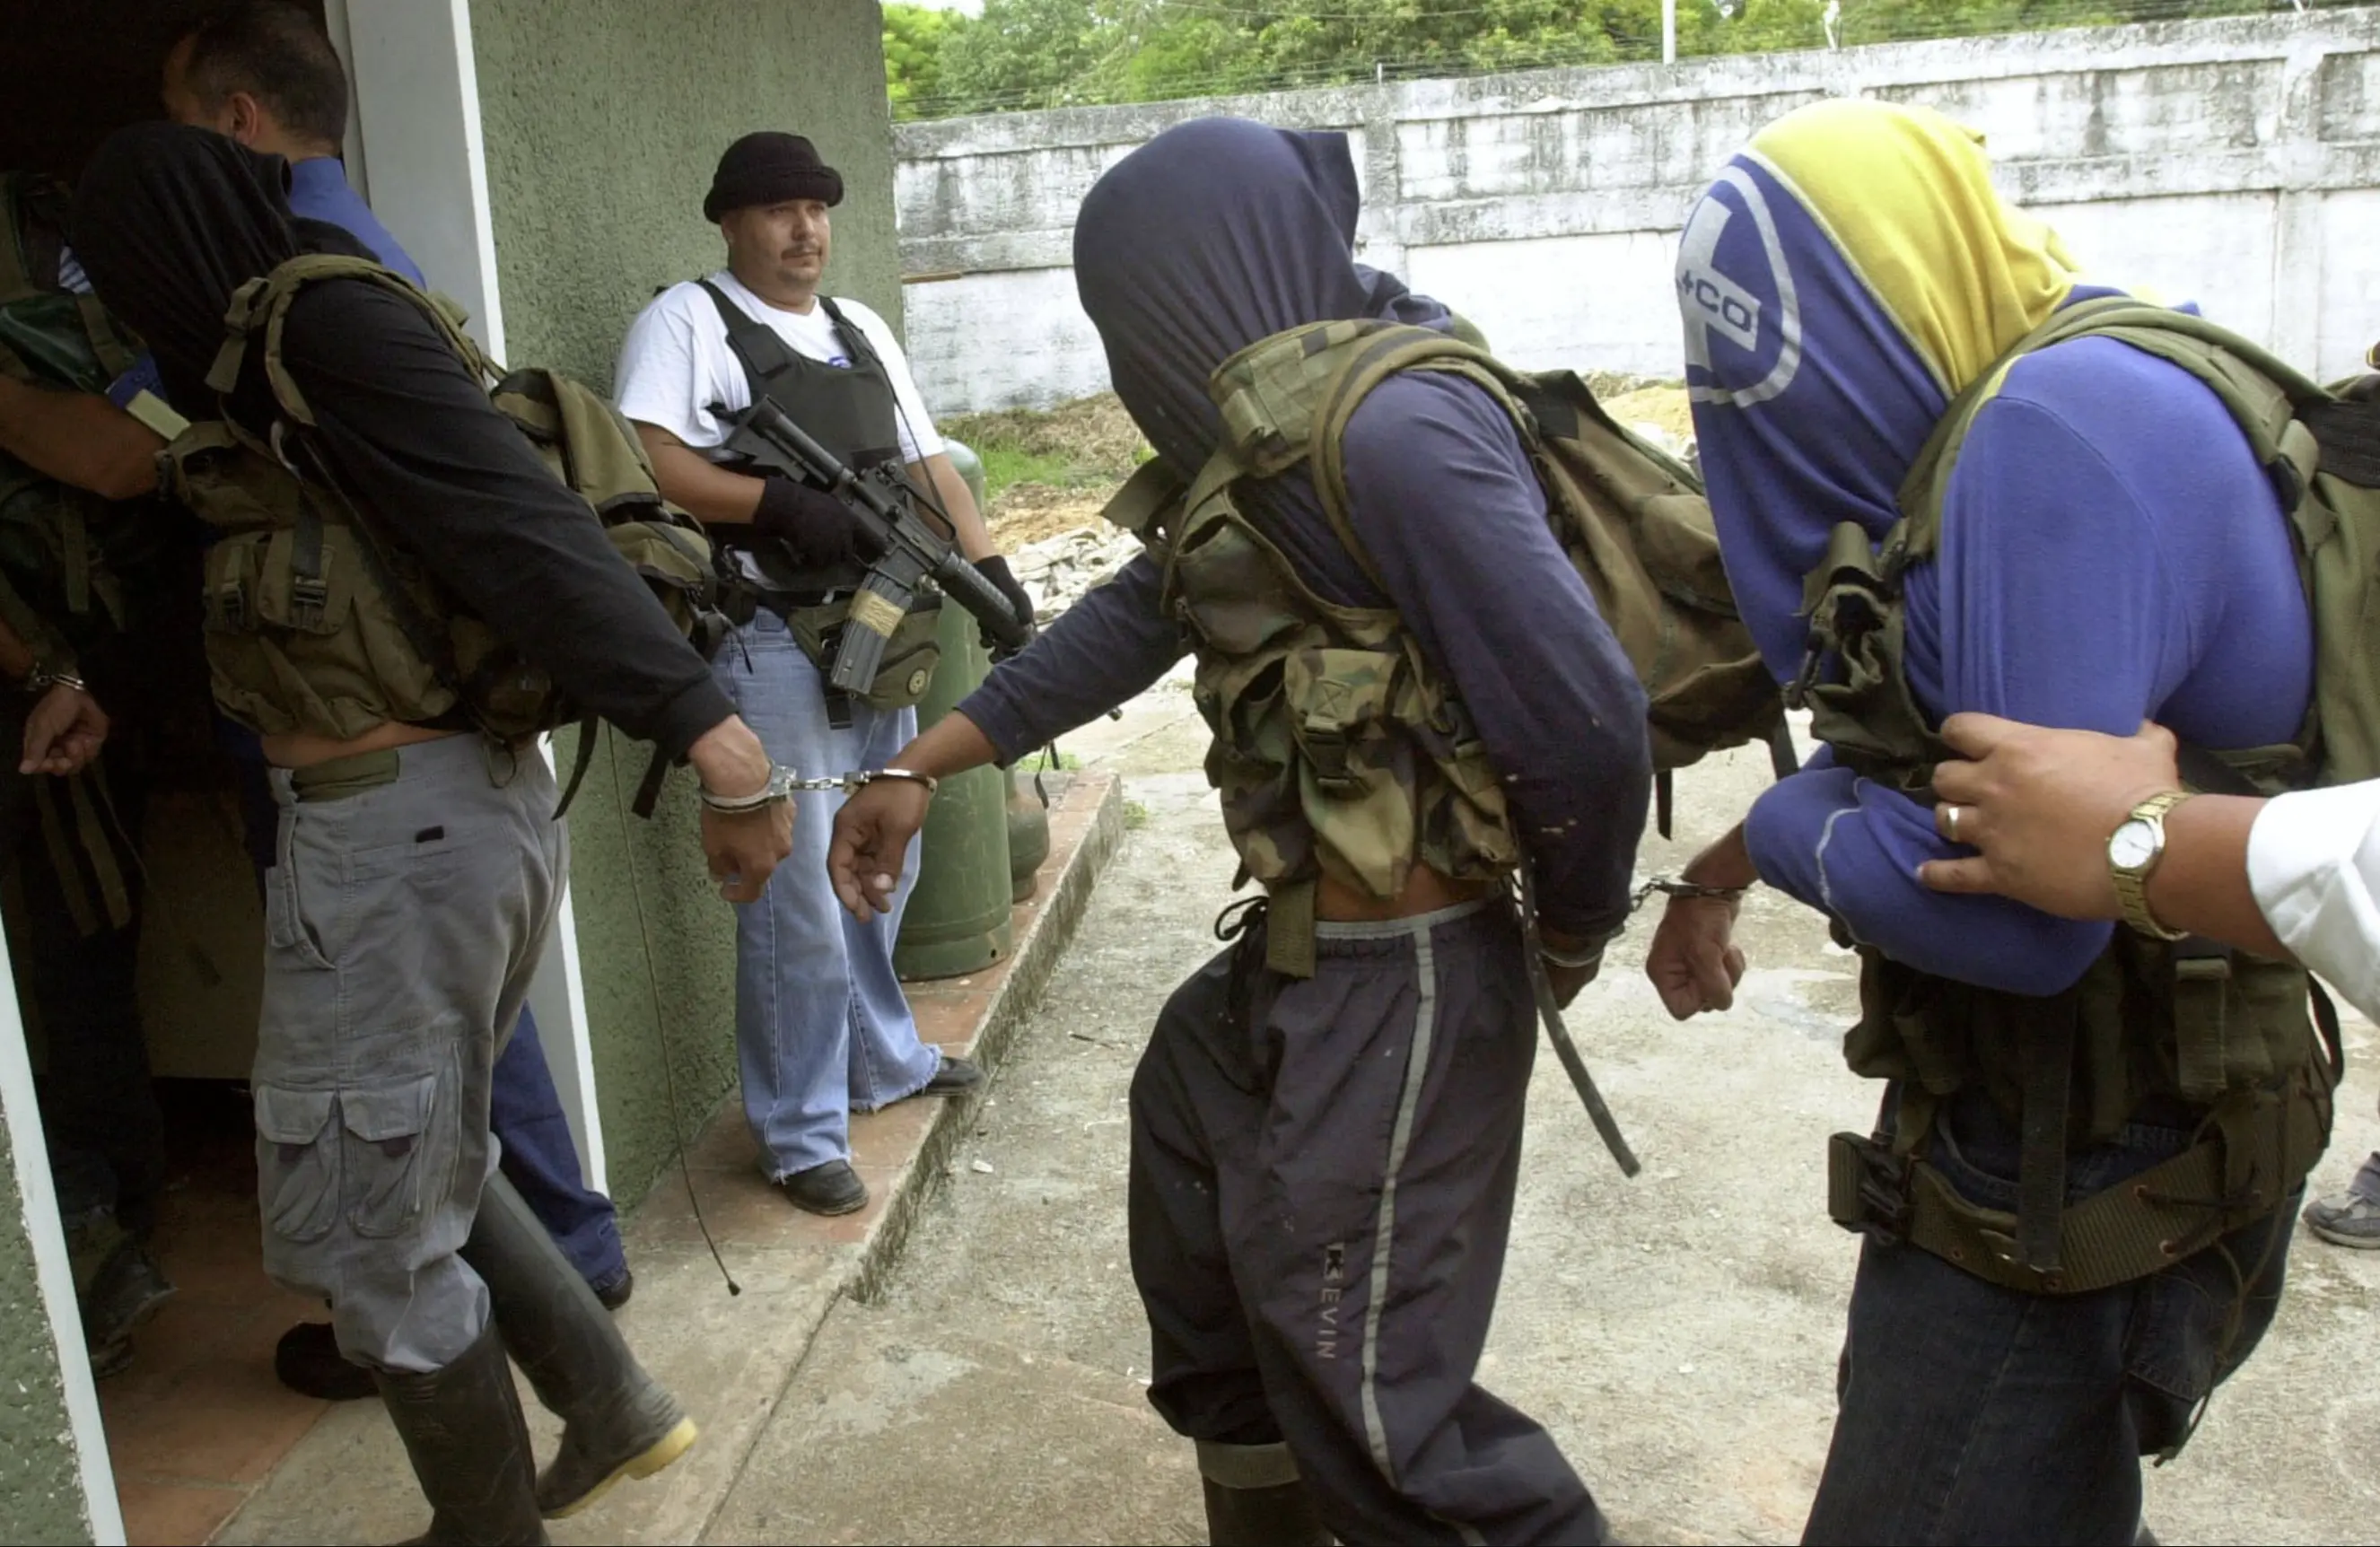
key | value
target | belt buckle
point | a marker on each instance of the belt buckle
(1869, 1186)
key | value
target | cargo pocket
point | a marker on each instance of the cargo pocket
(296, 1162)
(399, 1151)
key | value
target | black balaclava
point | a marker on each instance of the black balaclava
(168, 222)
(1216, 234)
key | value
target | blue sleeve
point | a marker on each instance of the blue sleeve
(1445, 501)
(1108, 648)
(2098, 566)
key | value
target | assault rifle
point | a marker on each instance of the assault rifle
(902, 550)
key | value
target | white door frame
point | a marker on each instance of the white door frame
(54, 1273)
(415, 151)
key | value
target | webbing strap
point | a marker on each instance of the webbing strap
(62, 860)
(2202, 982)
(1289, 929)
(103, 868)
(580, 761)
(91, 838)
(2046, 1049)
(2247, 1167)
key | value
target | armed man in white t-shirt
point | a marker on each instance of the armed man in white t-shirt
(822, 1029)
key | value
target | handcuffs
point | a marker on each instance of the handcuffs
(784, 782)
(45, 676)
(1664, 885)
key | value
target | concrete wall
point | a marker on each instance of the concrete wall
(604, 119)
(41, 1485)
(2232, 162)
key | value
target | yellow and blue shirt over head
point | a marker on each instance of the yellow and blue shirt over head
(2110, 551)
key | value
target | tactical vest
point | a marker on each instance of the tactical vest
(855, 414)
(89, 585)
(66, 554)
(316, 624)
(2193, 1027)
(1338, 748)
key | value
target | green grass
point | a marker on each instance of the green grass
(1036, 762)
(1005, 467)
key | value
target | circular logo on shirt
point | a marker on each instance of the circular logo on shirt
(1735, 291)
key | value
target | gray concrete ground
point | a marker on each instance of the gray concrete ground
(1678, 1332)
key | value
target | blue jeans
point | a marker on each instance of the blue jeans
(1974, 1413)
(822, 1027)
(525, 1111)
(541, 1160)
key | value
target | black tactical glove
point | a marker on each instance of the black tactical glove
(995, 569)
(816, 528)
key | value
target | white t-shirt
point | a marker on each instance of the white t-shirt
(2314, 862)
(677, 363)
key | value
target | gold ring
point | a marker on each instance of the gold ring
(1951, 814)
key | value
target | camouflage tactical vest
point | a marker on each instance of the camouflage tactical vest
(66, 554)
(1338, 749)
(2189, 1026)
(316, 624)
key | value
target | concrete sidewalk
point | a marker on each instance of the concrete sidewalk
(1678, 1333)
(728, 1357)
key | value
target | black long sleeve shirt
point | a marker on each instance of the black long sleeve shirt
(408, 433)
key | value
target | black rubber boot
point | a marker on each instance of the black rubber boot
(462, 1427)
(1255, 1498)
(617, 1421)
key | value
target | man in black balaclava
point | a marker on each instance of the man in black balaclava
(1326, 1127)
(420, 869)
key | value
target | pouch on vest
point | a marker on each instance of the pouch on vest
(317, 625)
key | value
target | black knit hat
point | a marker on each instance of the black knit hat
(769, 168)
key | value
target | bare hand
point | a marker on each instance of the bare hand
(1694, 960)
(2039, 807)
(871, 840)
(742, 851)
(64, 732)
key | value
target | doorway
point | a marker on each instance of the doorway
(197, 1421)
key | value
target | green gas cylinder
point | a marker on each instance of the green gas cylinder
(957, 920)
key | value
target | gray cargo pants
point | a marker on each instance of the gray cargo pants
(409, 899)
(1322, 1181)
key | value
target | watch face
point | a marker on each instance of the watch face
(2134, 845)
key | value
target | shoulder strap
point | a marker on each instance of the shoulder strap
(1288, 399)
(263, 303)
(854, 337)
(2267, 396)
(758, 348)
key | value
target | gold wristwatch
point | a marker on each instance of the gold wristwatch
(2134, 851)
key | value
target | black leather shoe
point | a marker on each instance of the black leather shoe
(833, 1187)
(309, 1362)
(956, 1077)
(615, 1293)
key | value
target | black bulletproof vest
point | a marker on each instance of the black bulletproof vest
(850, 410)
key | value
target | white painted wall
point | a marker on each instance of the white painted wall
(2236, 163)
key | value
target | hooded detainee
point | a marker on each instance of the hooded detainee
(2077, 1203)
(420, 867)
(1403, 679)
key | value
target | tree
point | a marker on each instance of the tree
(1025, 53)
(1055, 52)
(914, 38)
